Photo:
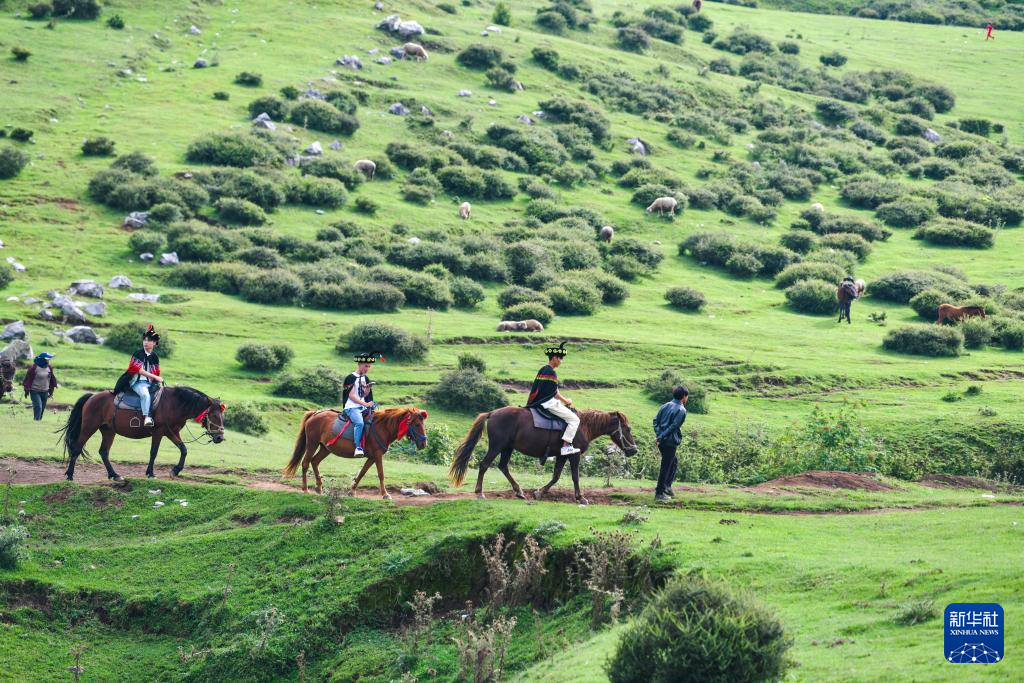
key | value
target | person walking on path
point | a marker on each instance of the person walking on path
(668, 433)
(39, 383)
(846, 293)
(988, 34)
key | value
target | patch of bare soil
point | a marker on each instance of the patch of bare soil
(827, 480)
(953, 481)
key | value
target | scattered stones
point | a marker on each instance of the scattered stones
(539, 114)
(406, 29)
(139, 296)
(637, 146)
(414, 492)
(818, 206)
(397, 52)
(465, 93)
(158, 504)
(97, 308)
(315, 149)
(426, 111)
(398, 109)
(384, 60)
(931, 136)
(13, 298)
(336, 145)
(120, 282)
(200, 64)
(523, 118)
(83, 334)
(46, 314)
(484, 34)
(19, 349)
(494, 29)
(124, 73)
(350, 61)
(89, 288)
(193, 30)
(170, 259)
(413, 240)
(263, 121)
(492, 103)
(145, 256)
(373, 51)
(31, 301)
(314, 93)
(14, 264)
(379, 6)
(15, 330)
(136, 219)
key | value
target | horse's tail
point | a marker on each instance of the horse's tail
(72, 429)
(460, 464)
(300, 446)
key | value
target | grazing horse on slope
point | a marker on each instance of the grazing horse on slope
(953, 314)
(511, 428)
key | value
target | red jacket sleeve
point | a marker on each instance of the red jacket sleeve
(29, 378)
(134, 366)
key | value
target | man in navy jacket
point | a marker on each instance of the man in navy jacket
(667, 432)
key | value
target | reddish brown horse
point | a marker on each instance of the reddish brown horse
(953, 314)
(388, 426)
(6, 376)
(177, 406)
(511, 429)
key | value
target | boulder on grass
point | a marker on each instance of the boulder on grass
(19, 349)
(83, 334)
(15, 330)
(120, 282)
(89, 288)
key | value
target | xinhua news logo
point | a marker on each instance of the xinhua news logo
(974, 633)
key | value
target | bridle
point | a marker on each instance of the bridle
(416, 437)
(210, 428)
(621, 435)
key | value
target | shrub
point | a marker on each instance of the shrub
(546, 57)
(11, 162)
(956, 233)
(116, 22)
(685, 298)
(98, 147)
(835, 112)
(321, 385)
(810, 270)
(660, 389)
(502, 15)
(40, 10)
(466, 293)
(900, 287)
(552, 21)
(926, 303)
(529, 310)
(977, 332)
(142, 241)
(261, 257)
(366, 205)
(847, 241)
(835, 59)
(248, 78)
(690, 618)
(325, 192)
(12, 542)
(467, 391)
(906, 212)
(247, 419)
(976, 126)
(420, 186)
(925, 340)
(375, 296)
(744, 265)
(221, 95)
(868, 193)
(239, 211)
(742, 41)
(264, 357)
(632, 38)
(6, 275)
(800, 241)
(22, 134)
(274, 107)
(271, 286)
(613, 290)
(816, 297)
(239, 150)
(788, 47)
(384, 339)
(500, 78)
(479, 56)
(570, 297)
(127, 338)
(1012, 337)
(463, 181)
(323, 116)
(76, 9)
(21, 54)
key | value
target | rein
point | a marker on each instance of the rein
(404, 429)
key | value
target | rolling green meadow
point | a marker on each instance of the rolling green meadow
(245, 583)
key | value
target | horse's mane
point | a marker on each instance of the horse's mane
(972, 308)
(394, 413)
(598, 418)
(192, 400)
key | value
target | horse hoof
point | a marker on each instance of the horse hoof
(175, 471)
(538, 494)
(117, 479)
(481, 496)
(386, 496)
(150, 475)
(520, 495)
(69, 477)
(582, 501)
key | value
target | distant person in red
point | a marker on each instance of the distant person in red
(989, 36)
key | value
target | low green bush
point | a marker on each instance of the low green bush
(744, 265)
(385, 339)
(13, 540)
(264, 357)
(127, 338)
(249, 79)
(570, 297)
(659, 389)
(906, 212)
(529, 310)
(685, 298)
(810, 270)
(246, 418)
(466, 293)
(956, 233)
(978, 332)
(239, 211)
(816, 297)
(467, 391)
(472, 361)
(11, 162)
(320, 384)
(1012, 337)
(143, 241)
(98, 147)
(233, 149)
(835, 59)
(273, 286)
(847, 241)
(323, 116)
(926, 303)
(925, 340)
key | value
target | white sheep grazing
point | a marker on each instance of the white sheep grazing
(607, 232)
(415, 50)
(861, 287)
(817, 206)
(464, 210)
(662, 204)
(367, 167)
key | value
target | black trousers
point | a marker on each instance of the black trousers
(669, 464)
(38, 403)
(844, 310)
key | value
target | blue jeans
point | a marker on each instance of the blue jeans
(38, 403)
(141, 389)
(358, 425)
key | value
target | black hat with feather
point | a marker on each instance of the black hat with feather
(553, 351)
(151, 335)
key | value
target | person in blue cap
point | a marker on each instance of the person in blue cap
(39, 383)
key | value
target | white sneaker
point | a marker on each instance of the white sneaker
(359, 451)
(570, 450)
(148, 422)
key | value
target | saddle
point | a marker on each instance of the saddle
(344, 429)
(542, 419)
(129, 400)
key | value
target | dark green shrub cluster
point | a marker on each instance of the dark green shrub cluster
(127, 338)
(956, 233)
(6, 275)
(374, 296)
(925, 340)
(239, 211)
(868, 192)
(233, 149)
(420, 289)
(467, 391)
(900, 287)
(420, 186)
(98, 147)
(741, 42)
(479, 56)
(810, 270)
(384, 339)
(466, 293)
(151, 241)
(659, 389)
(977, 332)
(685, 298)
(800, 241)
(11, 162)
(926, 303)
(690, 618)
(323, 116)
(906, 212)
(246, 418)
(835, 59)
(274, 107)
(320, 384)
(571, 297)
(1012, 337)
(264, 357)
(633, 39)
(816, 297)
(719, 249)
(846, 241)
(546, 57)
(250, 79)
(332, 167)
(580, 113)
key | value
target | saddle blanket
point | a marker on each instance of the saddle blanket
(343, 428)
(542, 419)
(129, 400)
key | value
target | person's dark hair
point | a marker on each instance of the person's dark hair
(680, 392)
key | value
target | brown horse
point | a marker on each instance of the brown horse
(6, 377)
(953, 314)
(177, 406)
(388, 426)
(511, 429)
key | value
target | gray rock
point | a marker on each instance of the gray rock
(398, 109)
(46, 314)
(406, 29)
(397, 52)
(492, 103)
(637, 146)
(146, 256)
(426, 111)
(494, 29)
(13, 298)
(31, 301)
(931, 136)
(523, 118)
(136, 219)
(200, 64)
(384, 60)
(72, 313)
(465, 93)
(350, 61)
(170, 259)
(83, 334)
(194, 30)
(97, 308)
(15, 330)
(379, 6)
(1, 244)
(484, 34)
(89, 288)
(14, 264)
(315, 149)
(336, 145)
(314, 93)
(757, 165)
(539, 114)
(373, 51)
(263, 121)
(413, 240)
(119, 282)
(19, 349)
(149, 298)
(518, 85)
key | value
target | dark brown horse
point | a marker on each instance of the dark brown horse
(953, 314)
(511, 429)
(6, 376)
(388, 426)
(177, 406)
